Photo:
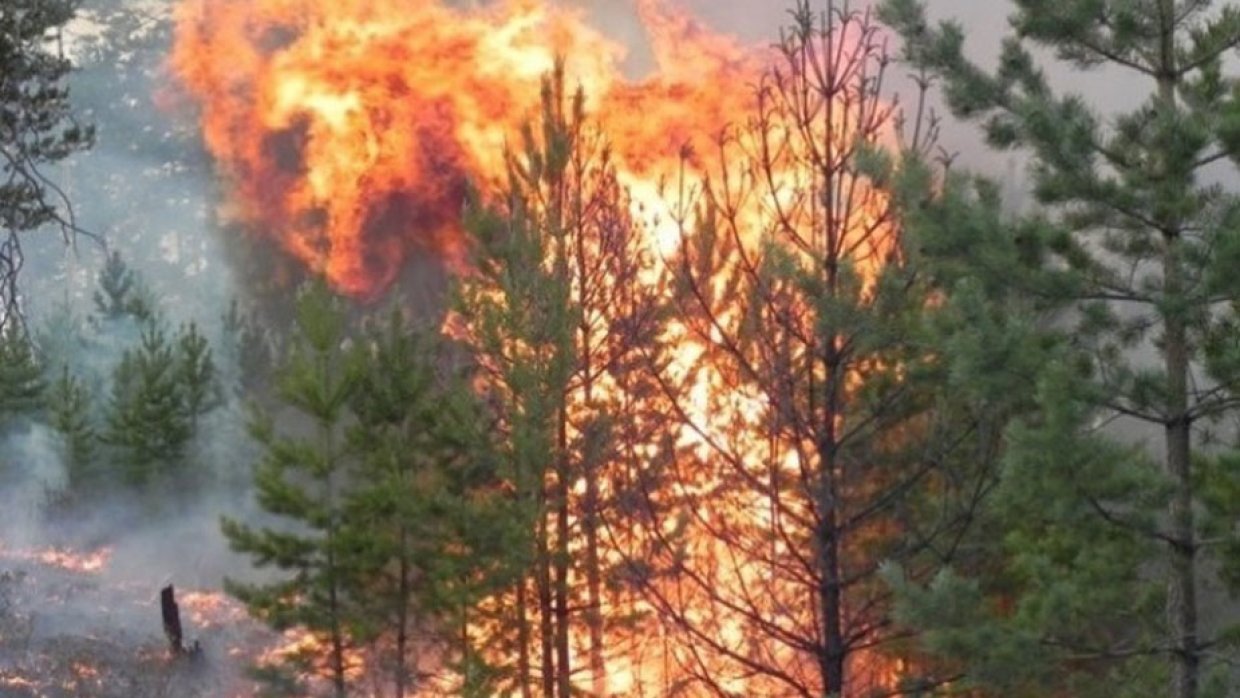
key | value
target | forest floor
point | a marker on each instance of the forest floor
(67, 630)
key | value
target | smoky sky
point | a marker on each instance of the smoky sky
(758, 23)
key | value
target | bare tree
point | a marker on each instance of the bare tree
(804, 468)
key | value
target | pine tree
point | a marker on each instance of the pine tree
(440, 533)
(303, 479)
(69, 413)
(61, 338)
(827, 435)
(21, 379)
(1103, 545)
(249, 346)
(558, 317)
(196, 375)
(146, 423)
(37, 127)
(521, 329)
(121, 293)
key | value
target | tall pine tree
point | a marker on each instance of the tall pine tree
(303, 478)
(560, 320)
(440, 533)
(828, 428)
(1105, 557)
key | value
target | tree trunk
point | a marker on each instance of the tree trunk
(545, 610)
(831, 653)
(335, 610)
(590, 509)
(172, 620)
(562, 648)
(1182, 585)
(336, 629)
(523, 641)
(594, 585)
(402, 619)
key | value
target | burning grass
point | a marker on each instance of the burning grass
(69, 628)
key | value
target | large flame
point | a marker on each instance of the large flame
(349, 129)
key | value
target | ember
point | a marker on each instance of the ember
(86, 563)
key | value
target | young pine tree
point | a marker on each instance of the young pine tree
(121, 293)
(69, 413)
(559, 320)
(1105, 557)
(440, 533)
(21, 379)
(521, 331)
(196, 375)
(146, 424)
(248, 346)
(302, 478)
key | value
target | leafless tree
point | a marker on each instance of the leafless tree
(806, 467)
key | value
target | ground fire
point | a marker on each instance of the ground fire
(69, 626)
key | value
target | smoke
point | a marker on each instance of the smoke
(31, 453)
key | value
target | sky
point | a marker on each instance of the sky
(985, 23)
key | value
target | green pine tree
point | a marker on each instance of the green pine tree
(196, 375)
(61, 338)
(21, 378)
(521, 332)
(303, 478)
(69, 413)
(249, 347)
(1100, 552)
(439, 531)
(556, 315)
(146, 423)
(121, 293)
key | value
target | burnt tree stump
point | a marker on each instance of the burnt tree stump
(172, 620)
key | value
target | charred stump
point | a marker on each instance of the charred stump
(172, 620)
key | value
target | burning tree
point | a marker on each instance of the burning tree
(814, 417)
(715, 423)
(560, 319)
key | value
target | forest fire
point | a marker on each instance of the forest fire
(351, 134)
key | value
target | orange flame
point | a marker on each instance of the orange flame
(349, 130)
(71, 561)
